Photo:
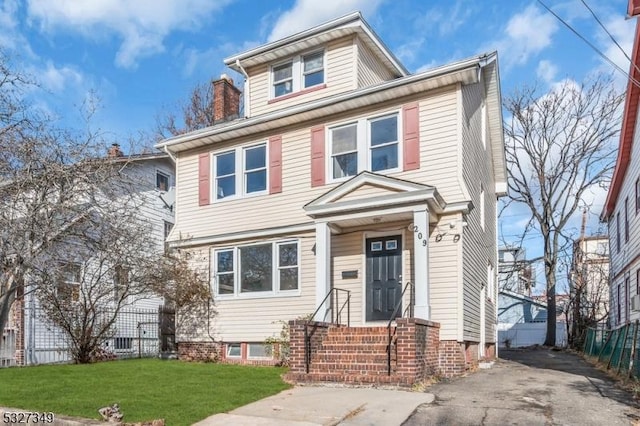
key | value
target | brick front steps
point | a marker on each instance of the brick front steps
(358, 355)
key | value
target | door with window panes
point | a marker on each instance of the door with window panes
(383, 277)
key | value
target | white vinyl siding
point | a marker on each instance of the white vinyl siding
(478, 250)
(625, 258)
(339, 77)
(438, 145)
(370, 70)
(251, 320)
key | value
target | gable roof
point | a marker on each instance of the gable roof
(629, 117)
(353, 23)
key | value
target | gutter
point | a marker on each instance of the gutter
(324, 102)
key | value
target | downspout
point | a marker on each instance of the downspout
(245, 90)
(169, 153)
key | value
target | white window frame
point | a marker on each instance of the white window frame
(74, 286)
(240, 172)
(166, 175)
(363, 138)
(258, 357)
(297, 73)
(228, 349)
(275, 271)
(482, 207)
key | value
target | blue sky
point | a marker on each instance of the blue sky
(142, 57)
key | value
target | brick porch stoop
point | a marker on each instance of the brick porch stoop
(358, 355)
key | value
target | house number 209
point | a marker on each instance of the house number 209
(418, 233)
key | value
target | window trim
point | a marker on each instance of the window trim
(637, 196)
(265, 346)
(297, 74)
(363, 144)
(74, 286)
(626, 220)
(166, 175)
(228, 349)
(275, 271)
(239, 172)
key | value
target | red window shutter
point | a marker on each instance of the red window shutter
(317, 156)
(204, 179)
(411, 136)
(275, 164)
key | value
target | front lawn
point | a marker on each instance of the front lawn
(146, 389)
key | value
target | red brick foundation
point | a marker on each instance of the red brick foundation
(490, 351)
(452, 358)
(18, 321)
(199, 351)
(471, 354)
(217, 352)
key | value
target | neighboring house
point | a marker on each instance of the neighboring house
(349, 173)
(589, 277)
(622, 207)
(514, 272)
(35, 340)
(522, 320)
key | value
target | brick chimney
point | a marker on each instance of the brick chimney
(115, 151)
(226, 100)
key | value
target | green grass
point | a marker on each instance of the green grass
(146, 389)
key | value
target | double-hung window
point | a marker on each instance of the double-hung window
(367, 144)
(255, 169)
(313, 69)
(298, 73)
(68, 288)
(225, 175)
(344, 150)
(283, 79)
(267, 268)
(383, 143)
(242, 171)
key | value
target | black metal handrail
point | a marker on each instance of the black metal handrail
(336, 309)
(393, 317)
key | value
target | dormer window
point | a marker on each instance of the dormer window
(313, 69)
(283, 79)
(297, 74)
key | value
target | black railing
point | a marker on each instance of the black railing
(409, 285)
(336, 311)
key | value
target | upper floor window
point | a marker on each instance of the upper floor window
(367, 144)
(244, 168)
(626, 220)
(618, 231)
(298, 73)
(68, 286)
(162, 181)
(637, 195)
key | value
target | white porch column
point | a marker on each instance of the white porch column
(323, 267)
(421, 263)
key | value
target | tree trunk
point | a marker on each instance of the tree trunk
(549, 271)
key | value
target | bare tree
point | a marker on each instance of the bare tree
(558, 146)
(196, 113)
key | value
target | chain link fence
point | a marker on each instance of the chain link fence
(616, 348)
(136, 333)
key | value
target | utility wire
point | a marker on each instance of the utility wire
(605, 57)
(609, 34)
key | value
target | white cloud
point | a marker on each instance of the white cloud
(527, 33)
(58, 79)
(308, 13)
(623, 31)
(546, 70)
(11, 38)
(142, 25)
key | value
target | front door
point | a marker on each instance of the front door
(383, 277)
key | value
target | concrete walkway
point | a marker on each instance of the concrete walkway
(315, 405)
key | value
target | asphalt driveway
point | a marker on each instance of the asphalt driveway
(530, 387)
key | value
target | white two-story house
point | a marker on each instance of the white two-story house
(622, 207)
(32, 338)
(345, 172)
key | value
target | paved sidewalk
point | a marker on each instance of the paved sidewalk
(315, 405)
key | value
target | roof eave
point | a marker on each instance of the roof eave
(465, 69)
